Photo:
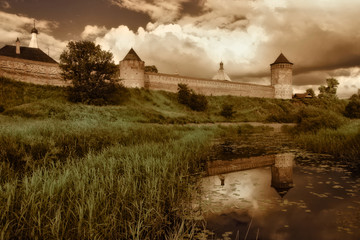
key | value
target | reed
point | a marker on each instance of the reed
(343, 143)
(124, 191)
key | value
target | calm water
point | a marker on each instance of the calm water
(283, 196)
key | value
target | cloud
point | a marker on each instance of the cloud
(163, 11)
(5, 4)
(192, 37)
(14, 26)
(318, 36)
(91, 32)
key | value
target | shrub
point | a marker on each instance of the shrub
(352, 110)
(312, 119)
(227, 111)
(196, 102)
(183, 94)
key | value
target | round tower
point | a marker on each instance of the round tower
(281, 77)
(132, 70)
(33, 41)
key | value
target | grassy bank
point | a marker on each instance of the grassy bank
(118, 181)
(139, 105)
(343, 143)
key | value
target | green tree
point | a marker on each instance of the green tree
(91, 72)
(151, 68)
(329, 91)
(183, 94)
(352, 109)
(311, 92)
(188, 97)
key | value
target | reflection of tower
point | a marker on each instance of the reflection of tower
(282, 173)
(33, 42)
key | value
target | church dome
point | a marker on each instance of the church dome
(221, 75)
(34, 30)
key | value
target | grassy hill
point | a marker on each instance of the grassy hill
(139, 105)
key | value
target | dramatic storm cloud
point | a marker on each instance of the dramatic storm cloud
(191, 37)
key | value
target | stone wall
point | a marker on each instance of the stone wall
(168, 82)
(31, 71)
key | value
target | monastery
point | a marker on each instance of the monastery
(32, 65)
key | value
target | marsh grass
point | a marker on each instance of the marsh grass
(343, 142)
(137, 188)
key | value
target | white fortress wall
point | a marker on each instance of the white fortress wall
(168, 82)
(31, 71)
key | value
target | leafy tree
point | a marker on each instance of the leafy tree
(227, 111)
(186, 96)
(352, 110)
(151, 68)
(329, 91)
(311, 92)
(91, 71)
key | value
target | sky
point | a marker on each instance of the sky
(191, 37)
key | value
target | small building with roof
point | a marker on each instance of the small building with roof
(29, 64)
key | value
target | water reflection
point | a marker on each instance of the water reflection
(281, 169)
(282, 173)
(310, 202)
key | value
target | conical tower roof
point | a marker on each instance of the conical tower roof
(281, 59)
(282, 191)
(132, 55)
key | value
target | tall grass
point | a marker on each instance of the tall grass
(123, 191)
(343, 143)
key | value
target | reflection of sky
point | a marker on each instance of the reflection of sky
(323, 204)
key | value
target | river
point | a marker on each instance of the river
(280, 193)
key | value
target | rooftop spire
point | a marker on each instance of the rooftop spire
(221, 65)
(34, 33)
(34, 30)
(17, 46)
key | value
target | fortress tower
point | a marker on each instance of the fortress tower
(132, 70)
(34, 42)
(281, 77)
